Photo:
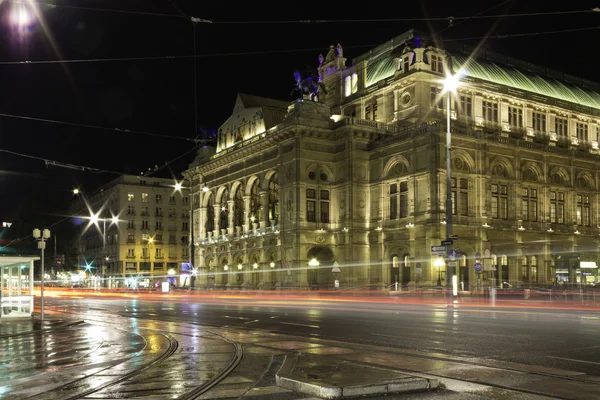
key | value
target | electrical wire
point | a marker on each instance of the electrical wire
(60, 164)
(307, 21)
(382, 20)
(452, 24)
(286, 51)
(120, 130)
(89, 169)
(517, 35)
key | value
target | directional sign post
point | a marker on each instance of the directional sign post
(438, 250)
(452, 255)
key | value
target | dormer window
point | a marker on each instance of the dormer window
(351, 84)
(437, 64)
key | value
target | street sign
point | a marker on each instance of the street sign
(452, 255)
(447, 242)
(478, 267)
(438, 250)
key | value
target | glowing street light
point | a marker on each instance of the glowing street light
(21, 15)
(451, 83)
(41, 238)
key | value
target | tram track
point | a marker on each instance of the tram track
(129, 378)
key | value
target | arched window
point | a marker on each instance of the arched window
(395, 262)
(224, 217)
(255, 209)
(210, 214)
(238, 207)
(274, 198)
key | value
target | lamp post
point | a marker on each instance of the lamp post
(95, 219)
(450, 84)
(179, 187)
(41, 237)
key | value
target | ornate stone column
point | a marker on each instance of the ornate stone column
(202, 220)
(217, 213)
(264, 210)
(246, 220)
(231, 227)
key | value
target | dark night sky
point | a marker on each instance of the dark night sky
(157, 96)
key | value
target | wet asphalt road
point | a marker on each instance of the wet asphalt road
(564, 339)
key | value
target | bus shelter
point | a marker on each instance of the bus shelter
(16, 286)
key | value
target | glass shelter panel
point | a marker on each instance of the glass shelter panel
(16, 289)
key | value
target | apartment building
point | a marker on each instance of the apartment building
(135, 228)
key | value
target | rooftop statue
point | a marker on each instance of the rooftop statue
(308, 84)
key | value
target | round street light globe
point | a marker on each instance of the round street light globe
(451, 83)
(20, 15)
(178, 186)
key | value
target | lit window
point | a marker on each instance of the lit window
(130, 197)
(351, 84)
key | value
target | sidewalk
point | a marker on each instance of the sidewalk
(57, 359)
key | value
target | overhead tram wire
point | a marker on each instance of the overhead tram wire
(263, 52)
(88, 126)
(83, 168)
(195, 73)
(307, 21)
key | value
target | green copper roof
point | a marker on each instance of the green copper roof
(382, 67)
(509, 76)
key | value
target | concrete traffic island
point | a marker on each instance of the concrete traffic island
(331, 378)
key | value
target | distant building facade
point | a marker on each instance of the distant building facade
(357, 180)
(142, 232)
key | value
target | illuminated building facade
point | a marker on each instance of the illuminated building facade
(142, 231)
(358, 179)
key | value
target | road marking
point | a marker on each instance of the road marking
(250, 322)
(395, 337)
(275, 316)
(308, 326)
(227, 316)
(574, 360)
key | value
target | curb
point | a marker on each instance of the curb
(284, 380)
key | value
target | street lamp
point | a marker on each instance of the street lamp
(179, 187)
(94, 220)
(41, 237)
(450, 84)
